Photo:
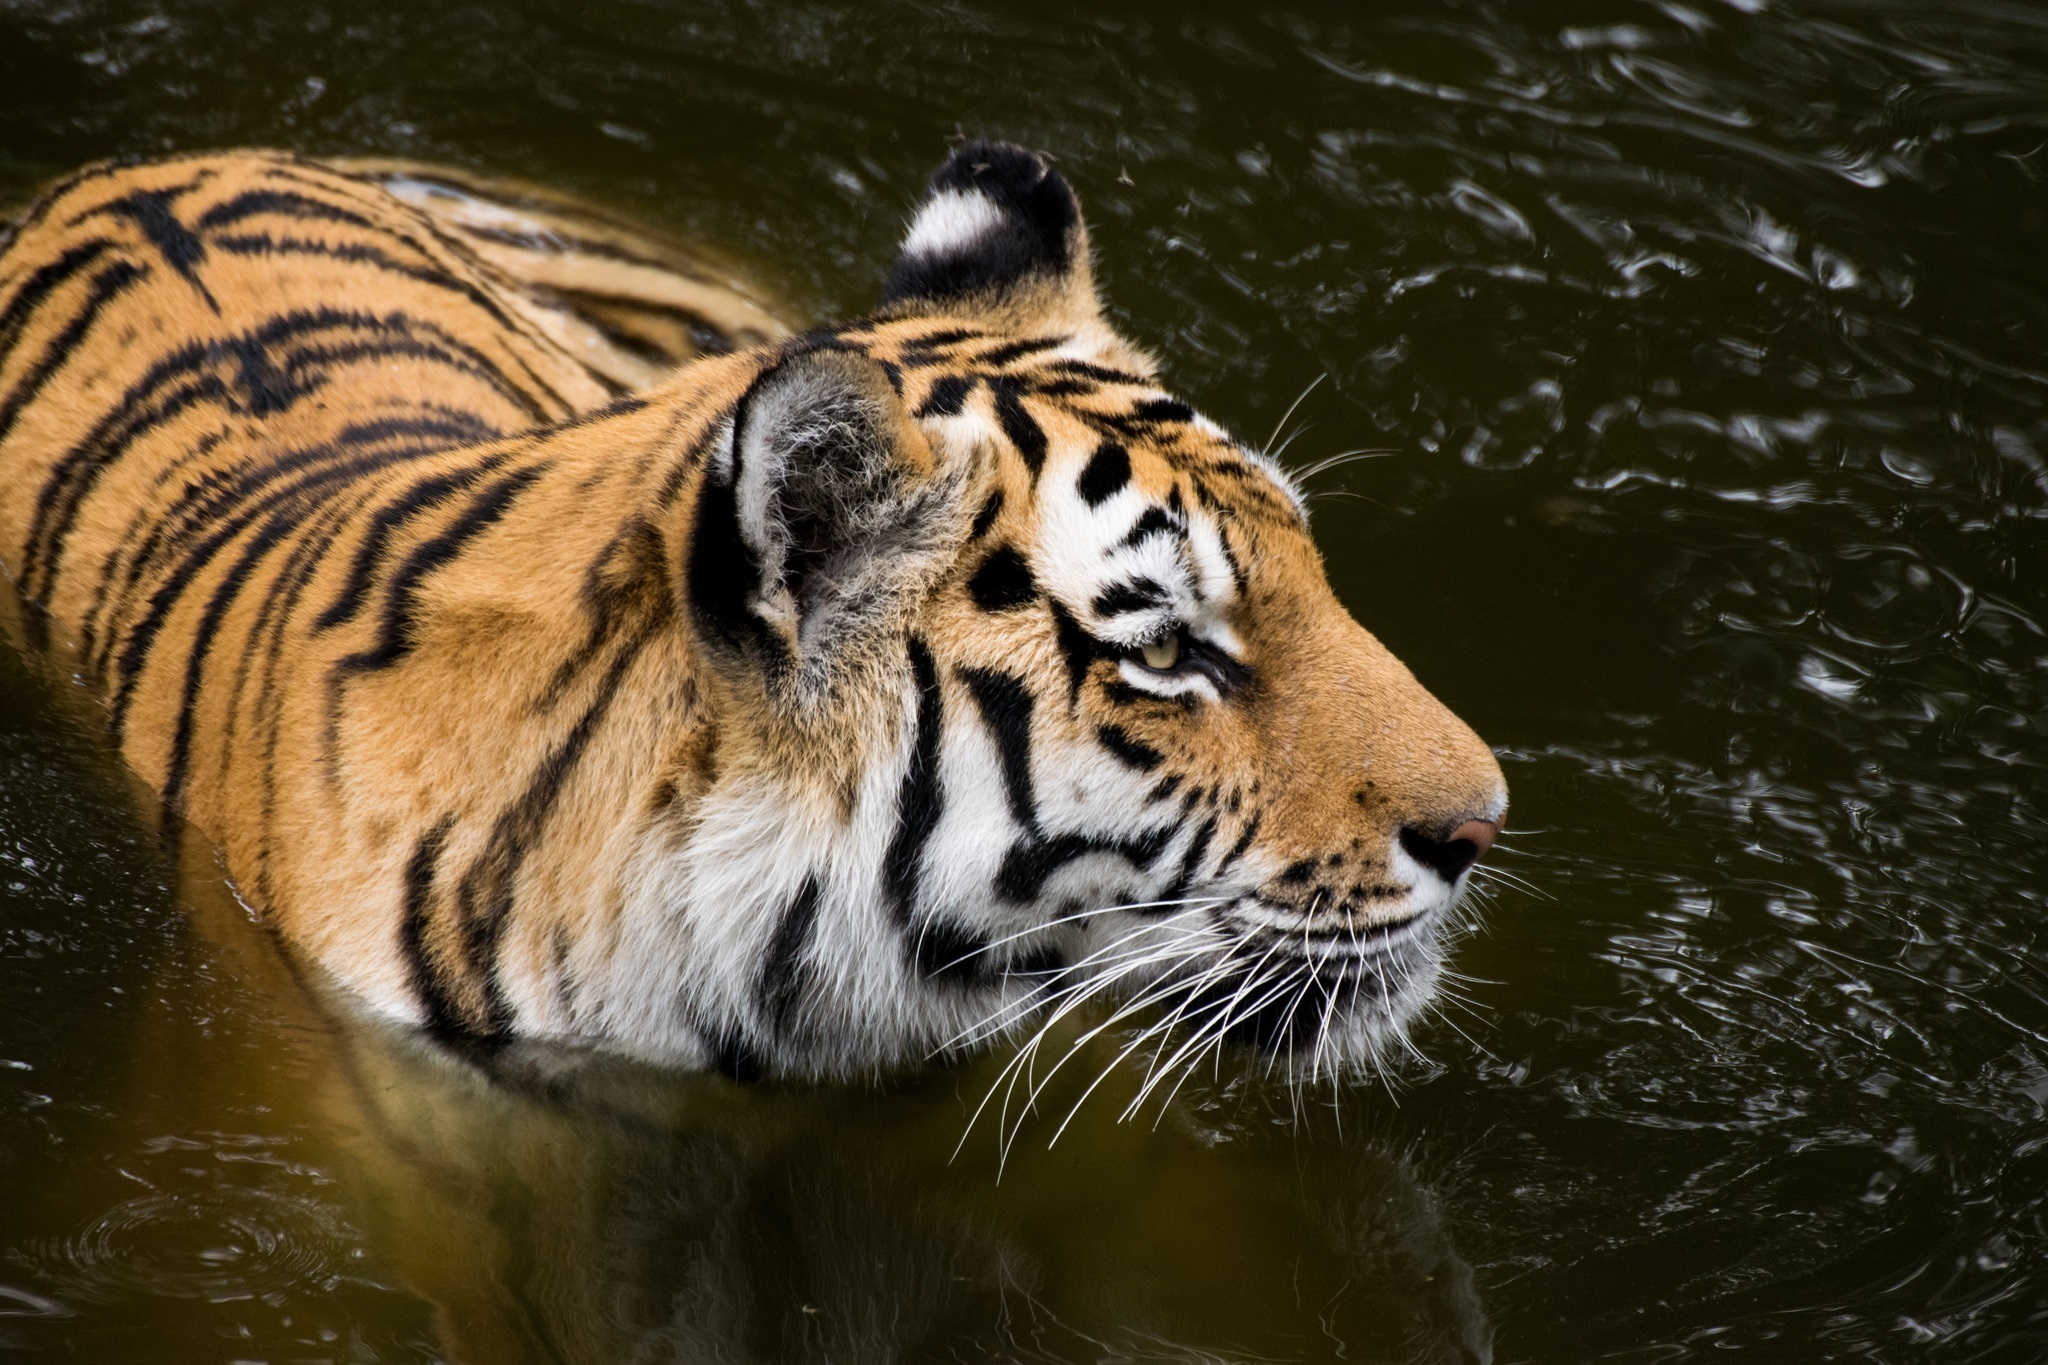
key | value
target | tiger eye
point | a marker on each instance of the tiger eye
(1163, 654)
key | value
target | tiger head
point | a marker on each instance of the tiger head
(1038, 674)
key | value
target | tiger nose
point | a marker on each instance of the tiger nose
(1449, 857)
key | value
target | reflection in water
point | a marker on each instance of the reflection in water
(566, 1207)
(612, 1218)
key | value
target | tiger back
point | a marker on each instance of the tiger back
(833, 700)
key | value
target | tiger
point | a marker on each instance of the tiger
(557, 648)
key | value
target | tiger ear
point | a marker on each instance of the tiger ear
(822, 519)
(998, 230)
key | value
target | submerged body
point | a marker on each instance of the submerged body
(824, 704)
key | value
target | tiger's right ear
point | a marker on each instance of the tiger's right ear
(998, 231)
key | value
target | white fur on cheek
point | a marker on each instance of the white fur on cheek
(950, 223)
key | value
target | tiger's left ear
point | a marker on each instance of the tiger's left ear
(822, 520)
(998, 231)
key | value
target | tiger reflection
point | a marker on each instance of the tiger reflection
(565, 1208)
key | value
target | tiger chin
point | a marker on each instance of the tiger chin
(557, 648)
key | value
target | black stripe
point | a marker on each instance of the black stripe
(1077, 647)
(1123, 694)
(1244, 841)
(428, 982)
(1237, 573)
(1191, 861)
(921, 800)
(1101, 374)
(722, 572)
(1260, 494)
(622, 406)
(947, 950)
(281, 602)
(1135, 752)
(428, 238)
(401, 604)
(55, 195)
(1163, 410)
(141, 638)
(587, 302)
(563, 972)
(261, 392)
(357, 253)
(590, 306)
(1153, 522)
(1105, 474)
(947, 396)
(393, 637)
(438, 428)
(925, 351)
(944, 337)
(780, 984)
(1005, 704)
(1029, 862)
(1018, 423)
(248, 492)
(484, 899)
(280, 614)
(1140, 594)
(1003, 582)
(1017, 350)
(62, 490)
(387, 521)
(40, 284)
(986, 517)
(150, 210)
(203, 638)
(169, 530)
(626, 581)
(440, 349)
(283, 203)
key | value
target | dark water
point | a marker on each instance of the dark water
(1709, 341)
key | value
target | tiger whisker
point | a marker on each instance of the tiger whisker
(1253, 969)
(1038, 1085)
(1144, 999)
(1218, 1033)
(1077, 994)
(1315, 1062)
(1044, 992)
(1520, 883)
(1267, 448)
(1076, 916)
(1339, 460)
(1191, 990)
(1214, 1026)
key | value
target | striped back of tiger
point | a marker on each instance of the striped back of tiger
(448, 309)
(632, 305)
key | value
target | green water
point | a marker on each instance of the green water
(1709, 343)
